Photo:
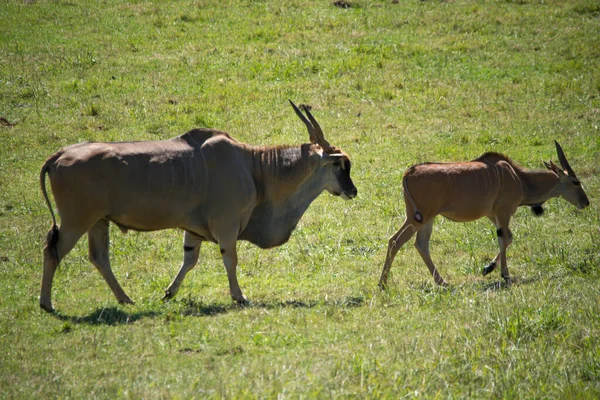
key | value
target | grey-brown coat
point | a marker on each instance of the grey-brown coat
(204, 182)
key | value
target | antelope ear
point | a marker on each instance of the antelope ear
(556, 170)
(547, 165)
(327, 158)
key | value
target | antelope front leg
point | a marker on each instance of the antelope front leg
(505, 238)
(98, 253)
(191, 252)
(229, 254)
(494, 263)
(491, 266)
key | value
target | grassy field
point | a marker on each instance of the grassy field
(393, 85)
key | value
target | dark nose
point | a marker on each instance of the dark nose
(586, 202)
(353, 192)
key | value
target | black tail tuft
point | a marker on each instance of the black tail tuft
(537, 210)
(51, 240)
(418, 217)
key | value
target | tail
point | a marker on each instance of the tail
(417, 214)
(537, 210)
(52, 236)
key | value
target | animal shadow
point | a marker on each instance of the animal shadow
(198, 308)
(503, 285)
(111, 316)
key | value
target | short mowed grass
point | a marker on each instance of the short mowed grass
(393, 84)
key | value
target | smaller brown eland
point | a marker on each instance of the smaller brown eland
(491, 186)
(203, 182)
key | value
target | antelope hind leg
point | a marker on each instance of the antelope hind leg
(394, 244)
(60, 242)
(422, 245)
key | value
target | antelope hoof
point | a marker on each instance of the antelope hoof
(489, 268)
(382, 285)
(442, 283)
(48, 308)
(126, 300)
(168, 295)
(507, 279)
(242, 301)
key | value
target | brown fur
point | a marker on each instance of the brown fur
(491, 186)
(203, 182)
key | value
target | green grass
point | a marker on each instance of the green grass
(393, 85)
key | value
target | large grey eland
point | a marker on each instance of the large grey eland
(204, 182)
(491, 186)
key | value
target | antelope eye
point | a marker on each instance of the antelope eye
(576, 183)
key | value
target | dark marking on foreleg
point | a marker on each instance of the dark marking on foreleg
(494, 263)
(490, 267)
(191, 252)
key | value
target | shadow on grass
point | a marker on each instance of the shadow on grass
(503, 285)
(113, 316)
(198, 308)
(106, 316)
(427, 287)
(346, 302)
